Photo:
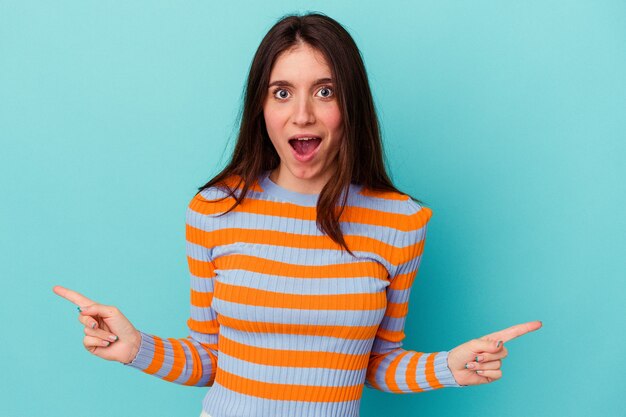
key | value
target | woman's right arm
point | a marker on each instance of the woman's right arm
(192, 360)
(188, 361)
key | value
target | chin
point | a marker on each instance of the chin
(305, 174)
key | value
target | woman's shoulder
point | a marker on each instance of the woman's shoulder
(220, 196)
(213, 195)
(395, 202)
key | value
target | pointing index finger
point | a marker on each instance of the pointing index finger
(515, 331)
(73, 296)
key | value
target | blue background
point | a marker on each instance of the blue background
(507, 118)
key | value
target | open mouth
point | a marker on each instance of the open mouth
(305, 146)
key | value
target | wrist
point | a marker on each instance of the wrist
(135, 345)
(453, 372)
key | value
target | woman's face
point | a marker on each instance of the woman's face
(303, 119)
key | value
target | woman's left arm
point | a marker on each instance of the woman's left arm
(392, 368)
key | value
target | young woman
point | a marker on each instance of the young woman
(302, 254)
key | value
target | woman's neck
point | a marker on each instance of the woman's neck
(284, 178)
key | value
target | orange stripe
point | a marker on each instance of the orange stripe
(288, 392)
(236, 181)
(352, 214)
(397, 310)
(159, 356)
(431, 378)
(229, 236)
(179, 360)
(196, 236)
(233, 182)
(196, 372)
(209, 207)
(262, 207)
(411, 373)
(200, 269)
(271, 267)
(390, 374)
(398, 221)
(390, 335)
(387, 195)
(343, 332)
(403, 281)
(211, 326)
(201, 299)
(293, 358)
(262, 298)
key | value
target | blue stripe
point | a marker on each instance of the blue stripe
(305, 343)
(315, 377)
(305, 286)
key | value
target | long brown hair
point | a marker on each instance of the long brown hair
(360, 157)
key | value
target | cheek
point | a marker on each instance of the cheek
(333, 121)
(274, 121)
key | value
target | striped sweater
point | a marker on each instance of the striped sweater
(283, 322)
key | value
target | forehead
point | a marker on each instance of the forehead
(301, 62)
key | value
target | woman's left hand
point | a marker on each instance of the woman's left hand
(479, 361)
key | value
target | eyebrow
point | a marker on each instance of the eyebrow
(283, 83)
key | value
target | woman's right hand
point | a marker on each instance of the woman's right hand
(108, 333)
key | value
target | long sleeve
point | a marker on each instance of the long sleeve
(392, 368)
(192, 360)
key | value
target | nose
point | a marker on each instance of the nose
(303, 112)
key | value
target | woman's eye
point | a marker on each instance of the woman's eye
(325, 92)
(281, 94)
